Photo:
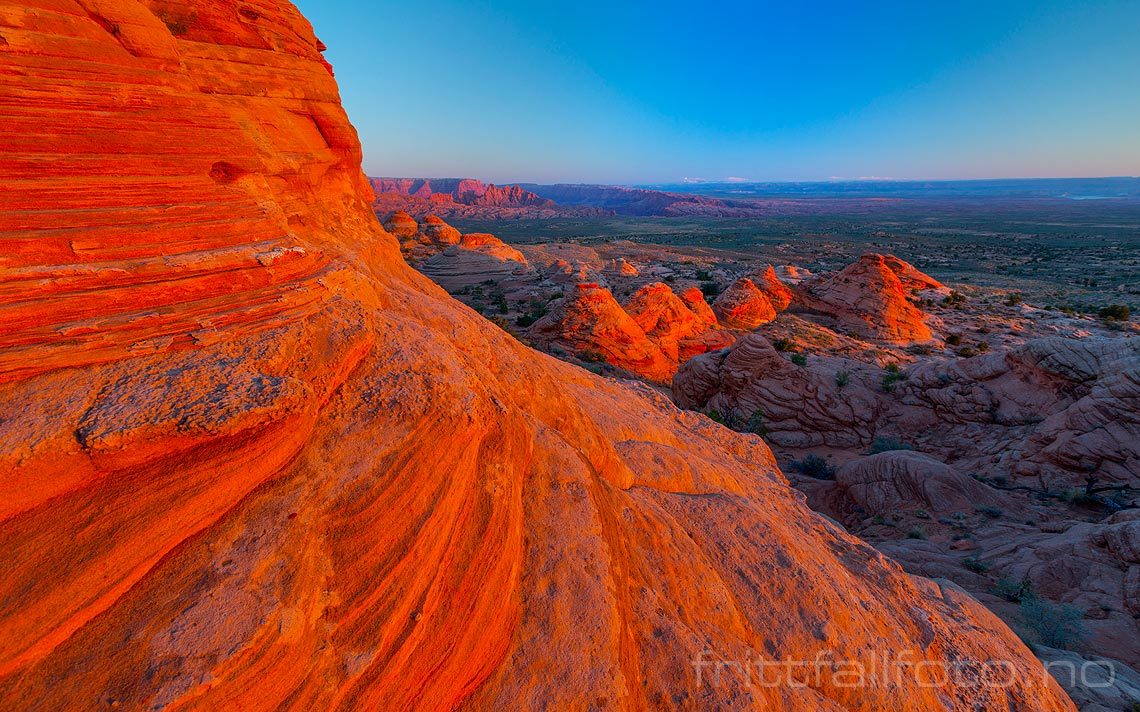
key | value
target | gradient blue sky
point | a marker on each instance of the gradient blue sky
(616, 92)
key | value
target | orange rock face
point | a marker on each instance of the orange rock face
(872, 299)
(777, 292)
(671, 324)
(250, 460)
(591, 324)
(744, 306)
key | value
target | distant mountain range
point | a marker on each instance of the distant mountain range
(472, 198)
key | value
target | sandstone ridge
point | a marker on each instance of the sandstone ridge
(249, 459)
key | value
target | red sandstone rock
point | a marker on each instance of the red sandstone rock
(401, 225)
(249, 459)
(870, 298)
(591, 323)
(743, 306)
(778, 293)
(672, 325)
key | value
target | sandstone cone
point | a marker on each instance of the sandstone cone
(250, 460)
(778, 293)
(870, 298)
(743, 306)
(590, 323)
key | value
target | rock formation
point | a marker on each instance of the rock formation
(796, 406)
(743, 306)
(778, 293)
(671, 324)
(591, 324)
(870, 298)
(475, 259)
(249, 459)
(465, 191)
(902, 480)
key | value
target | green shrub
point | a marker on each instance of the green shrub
(1058, 626)
(989, 510)
(1013, 299)
(842, 378)
(887, 444)
(703, 275)
(710, 289)
(983, 347)
(916, 533)
(756, 424)
(591, 356)
(715, 416)
(975, 564)
(1115, 312)
(955, 298)
(783, 344)
(815, 466)
(799, 359)
(953, 339)
(891, 377)
(967, 352)
(1013, 591)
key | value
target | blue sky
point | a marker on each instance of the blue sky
(617, 92)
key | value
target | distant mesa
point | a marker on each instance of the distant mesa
(464, 191)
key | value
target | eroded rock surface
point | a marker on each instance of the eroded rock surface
(249, 459)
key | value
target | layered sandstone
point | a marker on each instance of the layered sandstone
(251, 460)
(744, 306)
(871, 297)
(671, 324)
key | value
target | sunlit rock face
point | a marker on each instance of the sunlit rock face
(251, 460)
(871, 297)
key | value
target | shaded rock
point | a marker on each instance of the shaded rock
(901, 480)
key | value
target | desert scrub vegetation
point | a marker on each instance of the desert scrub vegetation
(888, 443)
(989, 510)
(1057, 626)
(891, 378)
(842, 379)
(799, 359)
(1115, 312)
(975, 564)
(815, 466)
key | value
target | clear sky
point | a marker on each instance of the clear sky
(614, 92)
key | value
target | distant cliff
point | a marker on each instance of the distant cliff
(465, 191)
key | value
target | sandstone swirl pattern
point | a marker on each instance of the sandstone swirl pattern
(250, 460)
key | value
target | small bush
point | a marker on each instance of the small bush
(887, 444)
(591, 356)
(953, 339)
(983, 347)
(756, 424)
(1012, 299)
(1079, 497)
(710, 289)
(989, 510)
(799, 359)
(715, 416)
(1058, 626)
(842, 378)
(955, 298)
(1115, 312)
(815, 466)
(703, 275)
(916, 533)
(967, 352)
(784, 344)
(1013, 591)
(975, 564)
(891, 377)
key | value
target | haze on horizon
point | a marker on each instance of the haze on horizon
(616, 93)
